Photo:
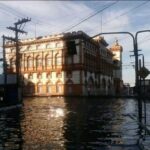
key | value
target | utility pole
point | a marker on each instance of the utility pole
(5, 65)
(143, 93)
(4, 68)
(17, 29)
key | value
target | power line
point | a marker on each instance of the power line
(17, 30)
(92, 15)
(144, 40)
(97, 12)
(132, 9)
(10, 12)
(124, 13)
(15, 13)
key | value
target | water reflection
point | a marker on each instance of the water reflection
(42, 125)
(70, 123)
(97, 123)
(10, 129)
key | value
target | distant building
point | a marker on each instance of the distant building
(67, 64)
(145, 87)
(126, 89)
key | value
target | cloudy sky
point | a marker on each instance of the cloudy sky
(92, 17)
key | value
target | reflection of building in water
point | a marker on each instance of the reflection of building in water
(67, 64)
(10, 128)
(42, 124)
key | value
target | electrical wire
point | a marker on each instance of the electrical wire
(15, 13)
(132, 9)
(97, 12)
(124, 13)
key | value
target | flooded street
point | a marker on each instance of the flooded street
(70, 123)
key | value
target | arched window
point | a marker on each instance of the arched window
(30, 76)
(38, 61)
(30, 88)
(29, 47)
(12, 50)
(58, 87)
(29, 62)
(39, 76)
(49, 88)
(58, 60)
(12, 63)
(38, 47)
(49, 75)
(39, 87)
(48, 46)
(48, 61)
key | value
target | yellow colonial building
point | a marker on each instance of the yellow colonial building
(66, 64)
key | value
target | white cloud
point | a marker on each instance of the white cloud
(50, 17)
(53, 14)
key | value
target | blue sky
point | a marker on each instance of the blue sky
(50, 17)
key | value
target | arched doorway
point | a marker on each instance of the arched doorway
(30, 88)
(59, 88)
(49, 88)
(90, 86)
(39, 88)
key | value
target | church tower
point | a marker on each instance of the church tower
(117, 60)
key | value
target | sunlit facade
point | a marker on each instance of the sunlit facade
(117, 73)
(48, 68)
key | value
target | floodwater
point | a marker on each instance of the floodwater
(70, 124)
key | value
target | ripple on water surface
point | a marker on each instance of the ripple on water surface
(69, 123)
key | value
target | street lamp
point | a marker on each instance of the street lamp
(143, 61)
(143, 85)
(135, 46)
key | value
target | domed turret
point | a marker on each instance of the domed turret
(117, 51)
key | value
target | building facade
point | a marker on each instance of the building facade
(65, 64)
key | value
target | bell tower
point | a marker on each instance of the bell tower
(117, 58)
(117, 61)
